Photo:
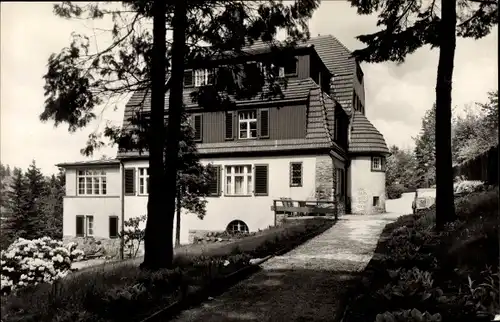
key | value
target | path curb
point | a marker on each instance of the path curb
(220, 285)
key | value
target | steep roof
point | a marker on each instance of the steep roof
(339, 60)
(365, 138)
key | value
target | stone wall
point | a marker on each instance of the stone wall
(200, 234)
(110, 247)
(325, 172)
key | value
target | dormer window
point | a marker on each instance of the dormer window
(203, 77)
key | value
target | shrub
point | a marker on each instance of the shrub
(30, 262)
(133, 236)
(395, 191)
(408, 316)
(468, 186)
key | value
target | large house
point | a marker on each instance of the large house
(314, 143)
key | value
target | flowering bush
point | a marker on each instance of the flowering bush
(30, 262)
(468, 186)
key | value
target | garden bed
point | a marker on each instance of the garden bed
(452, 275)
(118, 292)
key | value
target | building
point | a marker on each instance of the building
(313, 143)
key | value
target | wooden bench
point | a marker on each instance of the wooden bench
(298, 208)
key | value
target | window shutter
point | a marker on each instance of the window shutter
(129, 181)
(214, 187)
(261, 180)
(113, 227)
(80, 221)
(188, 78)
(229, 126)
(198, 127)
(264, 123)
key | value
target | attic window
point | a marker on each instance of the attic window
(291, 67)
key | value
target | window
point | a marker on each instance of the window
(203, 77)
(84, 226)
(143, 181)
(290, 67)
(378, 164)
(188, 78)
(296, 174)
(261, 180)
(113, 227)
(376, 201)
(92, 182)
(237, 226)
(197, 123)
(239, 180)
(247, 125)
(214, 185)
(129, 181)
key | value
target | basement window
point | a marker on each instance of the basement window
(376, 201)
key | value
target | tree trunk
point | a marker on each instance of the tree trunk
(174, 117)
(445, 207)
(157, 243)
(178, 222)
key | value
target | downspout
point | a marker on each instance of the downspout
(122, 212)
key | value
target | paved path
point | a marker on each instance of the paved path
(305, 284)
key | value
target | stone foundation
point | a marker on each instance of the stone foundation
(325, 177)
(200, 234)
(110, 247)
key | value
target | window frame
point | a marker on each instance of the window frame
(248, 172)
(239, 223)
(99, 175)
(143, 189)
(117, 227)
(381, 163)
(294, 163)
(205, 74)
(87, 220)
(248, 121)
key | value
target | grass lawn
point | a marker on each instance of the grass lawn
(122, 292)
(452, 275)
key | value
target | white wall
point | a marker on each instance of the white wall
(101, 207)
(255, 211)
(364, 184)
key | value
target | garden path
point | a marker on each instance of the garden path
(305, 284)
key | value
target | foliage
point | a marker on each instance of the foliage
(395, 191)
(409, 25)
(124, 292)
(33, 204)
(400, 167)
(425, 150)
(468, 186)
(477, 131)
(30, 262)
(133, 236)
(413, 315)
(453, 273)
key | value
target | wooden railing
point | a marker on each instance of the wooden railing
(299, 208)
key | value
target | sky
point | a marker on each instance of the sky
(396, 96)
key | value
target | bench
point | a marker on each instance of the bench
(298, 208)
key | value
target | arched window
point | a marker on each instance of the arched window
(237, 226)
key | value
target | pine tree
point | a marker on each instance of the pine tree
(16, 217)
(36, 189)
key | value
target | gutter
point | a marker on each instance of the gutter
(122, 212)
